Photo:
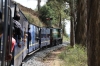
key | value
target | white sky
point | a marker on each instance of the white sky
(30, 3)
(67, 27)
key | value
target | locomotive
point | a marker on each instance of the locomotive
(40, 37)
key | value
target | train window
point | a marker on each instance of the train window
(0, 4)
(48, 35)
(12, 9)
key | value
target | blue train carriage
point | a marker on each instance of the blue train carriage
(44, 39)
(34, 42)
(55, 36)
(20, 53)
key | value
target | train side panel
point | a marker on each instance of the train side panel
(47, 36)
(17, 56)
(34, 43)
(20, 53)
(25, 30)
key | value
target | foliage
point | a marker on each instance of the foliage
(53, 9)
(74, 56)
(65, 38)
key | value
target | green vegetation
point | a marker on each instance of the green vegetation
(65, 38)
(32, 16)
(74, 56)
(54, 9)
(33, 19)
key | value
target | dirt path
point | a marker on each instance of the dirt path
(52, 58)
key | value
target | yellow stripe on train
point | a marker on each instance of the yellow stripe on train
(20, 53)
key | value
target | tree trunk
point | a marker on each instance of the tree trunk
(72, 33)
(93, 44)
(60, 25)
(81, 27)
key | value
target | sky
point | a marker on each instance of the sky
(67, 26)
(30, 3)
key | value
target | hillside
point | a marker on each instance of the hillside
(31, 15)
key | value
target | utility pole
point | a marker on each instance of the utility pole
(39, 1)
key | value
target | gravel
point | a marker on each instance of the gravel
(36, 58)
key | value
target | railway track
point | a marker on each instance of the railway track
(37, 58)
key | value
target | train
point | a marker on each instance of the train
(40, 37)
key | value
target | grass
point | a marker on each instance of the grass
(33, 19)
(74, 56)
(65, 38)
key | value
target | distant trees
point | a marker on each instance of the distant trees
(78, 13)
(85, 23)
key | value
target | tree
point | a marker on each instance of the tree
(55, 9)
(72, 33)
(93, 44)
(81, 25)
(60, 7)
(47, 12)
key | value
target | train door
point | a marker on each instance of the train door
(37, 37)
(5, 18)
(31, 45)
(40, 37)
(47, 36)
(51, 37)
(55, 36)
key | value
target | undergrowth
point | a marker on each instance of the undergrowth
(76, 56)
(65, 38)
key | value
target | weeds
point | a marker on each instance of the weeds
(74, 56)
